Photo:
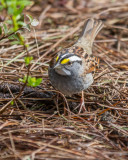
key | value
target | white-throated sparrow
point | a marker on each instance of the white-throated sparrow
(72, 70)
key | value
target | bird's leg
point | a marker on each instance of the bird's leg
(82, 104)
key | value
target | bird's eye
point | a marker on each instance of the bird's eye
(69, 63)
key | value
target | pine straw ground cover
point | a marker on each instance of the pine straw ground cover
(39, 125)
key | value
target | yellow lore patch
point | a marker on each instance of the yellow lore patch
(64, 61)
(57, 58)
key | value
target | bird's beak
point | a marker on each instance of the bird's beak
(57, 66)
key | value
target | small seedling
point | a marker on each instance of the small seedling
(31, 81)
(28, 60)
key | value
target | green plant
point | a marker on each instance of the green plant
(15, 21)
(28, 60)
(31, 81)
(15, 10)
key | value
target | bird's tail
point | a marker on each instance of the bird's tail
(89, 32)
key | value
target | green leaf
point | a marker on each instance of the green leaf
(31, 81)
(18, 16)
(13, 37)
(5, 28)
(20, 23)
(27, 27)
(15, 42)
(1, 8)
(12, 102)
(0, 30)
(10, 10)
(20, 80)
(9, 21)
(30, 18)
(20, 10)
(19, 39)
(27, 45)
(3, 3)
(23, 80)
(23, 2)
(38, 81)
(28, 60)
